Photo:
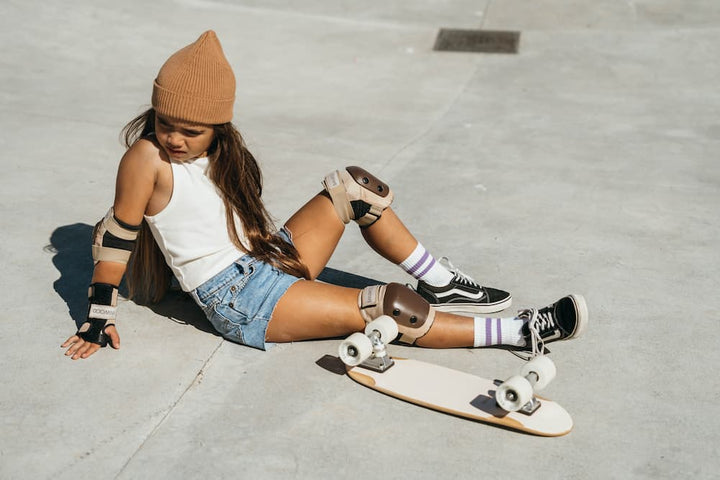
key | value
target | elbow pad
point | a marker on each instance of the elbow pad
(113, 239)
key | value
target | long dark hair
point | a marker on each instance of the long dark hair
(237, 176)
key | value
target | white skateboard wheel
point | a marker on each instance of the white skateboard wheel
(355, 349)
(543, 367)
(514, 393)
(385, 326)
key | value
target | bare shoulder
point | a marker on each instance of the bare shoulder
(143, 155)
(137, 177)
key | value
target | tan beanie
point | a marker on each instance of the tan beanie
(196, 84)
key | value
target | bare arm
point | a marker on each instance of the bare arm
(135, 184)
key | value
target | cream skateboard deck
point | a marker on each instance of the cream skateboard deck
(455, 392)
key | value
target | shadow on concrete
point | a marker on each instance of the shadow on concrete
(70, 245)
(179, 307)
(73, 259)
(332, 364)
(345, 279)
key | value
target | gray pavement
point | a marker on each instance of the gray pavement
(586, 163)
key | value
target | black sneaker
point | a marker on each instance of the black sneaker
(565, 319)
(463, 294)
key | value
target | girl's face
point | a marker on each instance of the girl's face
(183, 141)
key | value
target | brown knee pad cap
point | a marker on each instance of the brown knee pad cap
(357, 195)
(412, 313)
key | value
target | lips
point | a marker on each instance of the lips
(172, 151)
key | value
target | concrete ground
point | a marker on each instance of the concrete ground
(587, 163)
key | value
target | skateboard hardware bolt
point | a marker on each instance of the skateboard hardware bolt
(413, 320)
(396, 312)
(365, 180)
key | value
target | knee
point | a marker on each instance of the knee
(357, 195)
(413, 314)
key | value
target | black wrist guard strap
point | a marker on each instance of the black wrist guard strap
(102, 310)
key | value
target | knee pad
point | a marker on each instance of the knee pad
(113, 240)
(413, 314)
(357, 195)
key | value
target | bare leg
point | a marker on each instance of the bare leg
(312, 310)
(449, 331)
(389, 237)
(316, 231)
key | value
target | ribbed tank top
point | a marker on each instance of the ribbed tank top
(191, 230)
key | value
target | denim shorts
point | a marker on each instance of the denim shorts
(240, 300)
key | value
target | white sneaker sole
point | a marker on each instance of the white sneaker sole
(473, 307)
(583, 317)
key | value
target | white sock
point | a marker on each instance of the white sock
(499, 331)
(421, 265)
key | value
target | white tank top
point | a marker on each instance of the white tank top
(191, 230)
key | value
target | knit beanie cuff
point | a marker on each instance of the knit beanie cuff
(181, 106)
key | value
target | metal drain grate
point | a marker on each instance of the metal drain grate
(482, 41)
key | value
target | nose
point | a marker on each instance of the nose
(173, 140)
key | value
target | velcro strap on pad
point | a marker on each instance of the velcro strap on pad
(103, 294)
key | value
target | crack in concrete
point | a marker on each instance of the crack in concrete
(196, 381)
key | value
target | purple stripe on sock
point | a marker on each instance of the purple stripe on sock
(488, 332)
(419, 275)
(419, 263)
(499, 331)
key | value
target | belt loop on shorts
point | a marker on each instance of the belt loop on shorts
(244, 263)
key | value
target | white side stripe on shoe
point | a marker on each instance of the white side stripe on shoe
(455, 291)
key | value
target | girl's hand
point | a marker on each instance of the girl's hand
(80, 348)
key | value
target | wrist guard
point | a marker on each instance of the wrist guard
(102, 311)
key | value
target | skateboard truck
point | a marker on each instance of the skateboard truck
(379, 360)
(368, 349)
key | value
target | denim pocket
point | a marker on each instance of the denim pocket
(229, 305)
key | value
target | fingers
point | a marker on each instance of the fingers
(112, 332)
(79, 348)
(70, 341)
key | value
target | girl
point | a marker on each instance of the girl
(188, 203)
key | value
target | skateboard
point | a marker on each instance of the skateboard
(511, 404)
